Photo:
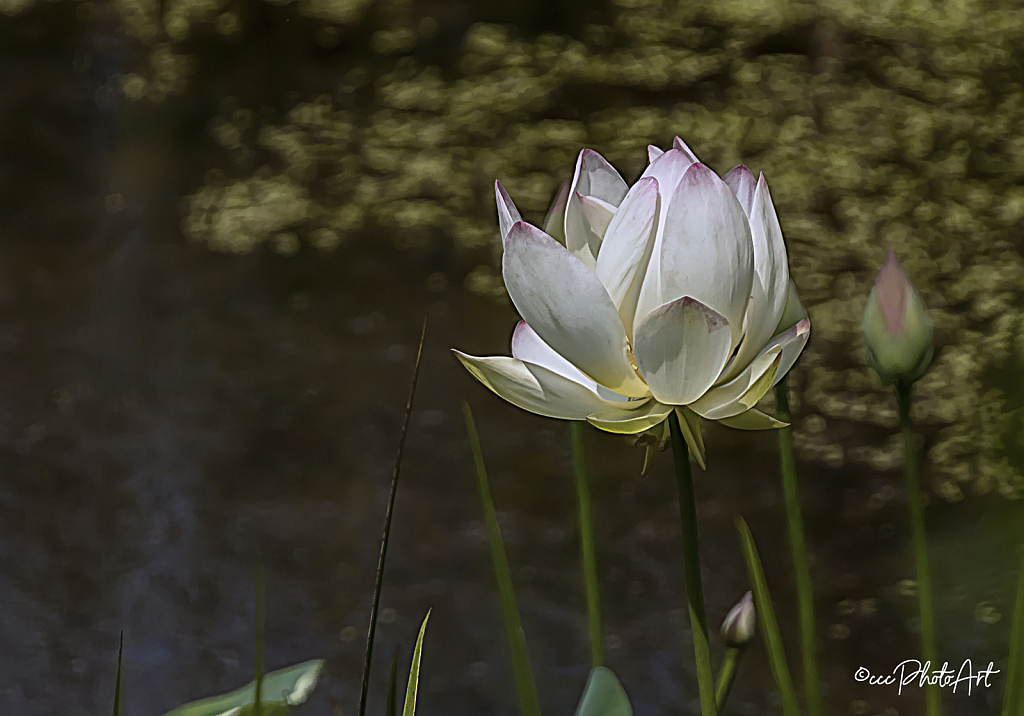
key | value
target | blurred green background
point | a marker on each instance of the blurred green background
(221, 224)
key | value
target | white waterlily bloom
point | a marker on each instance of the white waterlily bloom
(667, 295)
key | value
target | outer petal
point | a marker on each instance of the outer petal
(535, 388)
(527, 346)
(630, 422)
(679, 144)
(508, 214)
(742, 183)
(681, 348)
(792, 342)
(741, 394)
(554, 222)
(705, 251)
(753, 419)
(565, 303)
(770, 288)
(627, 246)
(594, 177)
(598, 213)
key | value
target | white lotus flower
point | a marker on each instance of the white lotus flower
(666, 296)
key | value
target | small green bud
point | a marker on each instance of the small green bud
(897, 329)
(738, 627)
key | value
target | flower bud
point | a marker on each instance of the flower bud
(738, 627)
(897, 329)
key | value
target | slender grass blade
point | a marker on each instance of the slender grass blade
(767, 624)
(117, 683)
(414, 672)
(1013, 696)
(517, 640)
(387, 529)
(391, 704)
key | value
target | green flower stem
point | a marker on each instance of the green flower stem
(727, 674)
(587, 545)
(933, 697)
(691, 563)
(801, 565)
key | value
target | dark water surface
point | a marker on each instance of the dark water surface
(169, 416)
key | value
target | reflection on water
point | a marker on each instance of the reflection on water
(170, 416)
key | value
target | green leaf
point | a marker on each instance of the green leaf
(391, 704)
(1013, 696)
(284, 687)
(603, 695)
(414, 671)
(769, 627)
(516, 639)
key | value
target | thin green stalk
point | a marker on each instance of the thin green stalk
(933, 697)
(528, 705)
(387, 528)
(768, 625)
(587, 545)
(727, 674)
(391, 702)
(257, 703)
(1013, 696)
(691, 564)
(801, 565)
(117, 683)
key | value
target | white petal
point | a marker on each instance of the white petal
(528, 346)
(653, 153)
(630, 422)
(597, 213)
(565, 303)
(554, 222)
(535, 388)
(704, 251)
(508, 214)
(742, 183)
(792, 342)
(627, 247)
(681, 348)
(770, 287)
(753, 419)
(742, 393)
(679, 144)
(594, 177)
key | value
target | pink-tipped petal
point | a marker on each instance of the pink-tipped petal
(679, 144)
(770, 287)
(508, 214)
(627, 246)
(704, 250)
(681, 349)
(742, 183)
(594, 177)
(565, 303)
(892, 284)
